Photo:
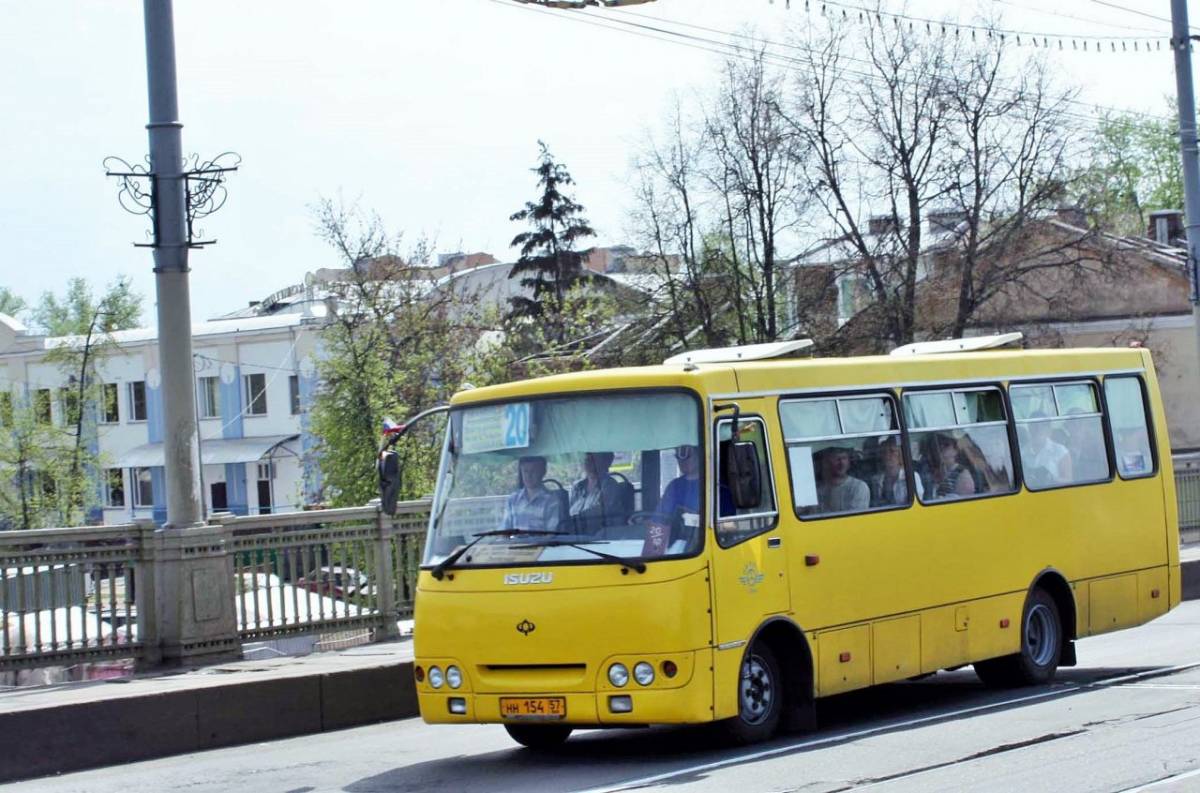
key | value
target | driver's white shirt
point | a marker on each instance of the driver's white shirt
(539, 513)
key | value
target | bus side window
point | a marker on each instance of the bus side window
(1130, 427)
(845, 455)
(959, 443)
(1060, 432)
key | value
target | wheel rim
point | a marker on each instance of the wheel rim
(757, 691)
(1041, 635)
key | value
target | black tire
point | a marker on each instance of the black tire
(539, 736)
(761, 697)
(1041, 647)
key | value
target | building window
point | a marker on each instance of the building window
(143, 488)
(41, 406)
(210, 397)
(137, 400)
(114, 487)
(256, 394)
(68, 401)
(294, 393)
(112, 405)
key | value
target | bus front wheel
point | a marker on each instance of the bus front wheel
(760, 697)
(1041, 647)
(539, 736)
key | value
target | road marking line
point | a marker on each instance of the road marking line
(1157, 782)
(869, 731)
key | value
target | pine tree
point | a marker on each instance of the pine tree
(550, 266)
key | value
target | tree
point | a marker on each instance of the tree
(1134, 167)
(82, 324)
(550, 264)
(393, 345)
(10, 302)
(79, 309)
(956, 151)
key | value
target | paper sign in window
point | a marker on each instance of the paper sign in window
(804, 479)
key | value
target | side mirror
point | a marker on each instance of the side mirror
(388, 466)
(743, 475)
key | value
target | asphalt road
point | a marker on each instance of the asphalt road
(1127, 718)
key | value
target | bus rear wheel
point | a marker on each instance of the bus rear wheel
(1041, 647)
(539, 736)
(760, 697)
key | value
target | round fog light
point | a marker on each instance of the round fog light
(643, 673)
(669, 669)
(435, 677)
(618, 675)
(453, 676)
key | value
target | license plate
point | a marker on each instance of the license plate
(533, 707)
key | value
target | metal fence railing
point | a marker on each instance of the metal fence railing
(1187, 495)
(73, 595)
(330, 570)
(68, 595)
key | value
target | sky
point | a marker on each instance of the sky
(427, 112)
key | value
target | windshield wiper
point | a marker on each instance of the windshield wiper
(632, 564)
(441, 567)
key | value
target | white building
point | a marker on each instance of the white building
(255, 380)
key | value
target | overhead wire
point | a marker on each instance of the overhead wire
(800, 48)
(731, 50)
(1090, 21)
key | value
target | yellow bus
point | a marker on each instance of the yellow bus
(786, 529)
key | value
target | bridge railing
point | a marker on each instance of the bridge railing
(68, 595)
(85, 594)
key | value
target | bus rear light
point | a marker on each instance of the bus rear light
(844, 658)
(1004, 622)
(812, 560)
(419, 674)
(669, 669)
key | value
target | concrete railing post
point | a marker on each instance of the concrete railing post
(193, 596)
(144, 598)
(385, 575)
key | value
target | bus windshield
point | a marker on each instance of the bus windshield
(619, 473)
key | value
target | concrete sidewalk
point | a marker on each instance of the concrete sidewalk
(55, 729)
(73, 726)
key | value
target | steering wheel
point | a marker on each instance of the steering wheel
(643, 517)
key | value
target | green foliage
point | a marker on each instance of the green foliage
(1134, 169)
(79, 309)
(10, 302)
(395, 346)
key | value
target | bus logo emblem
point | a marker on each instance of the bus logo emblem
(528, 578)
(525, 627)
(751, 577)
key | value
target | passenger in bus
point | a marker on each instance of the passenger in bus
(683, 492)
(950, 477)
(532, 506)
(837, 491)
(890, 486)
(596, 499)
(1047, 462)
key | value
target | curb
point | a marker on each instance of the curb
(74, 737)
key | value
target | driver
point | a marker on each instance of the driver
(532, 506)
(683, 493)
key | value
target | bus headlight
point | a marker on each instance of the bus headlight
(618, 675)
(453, 676)
(435, 677)
(643, 673)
